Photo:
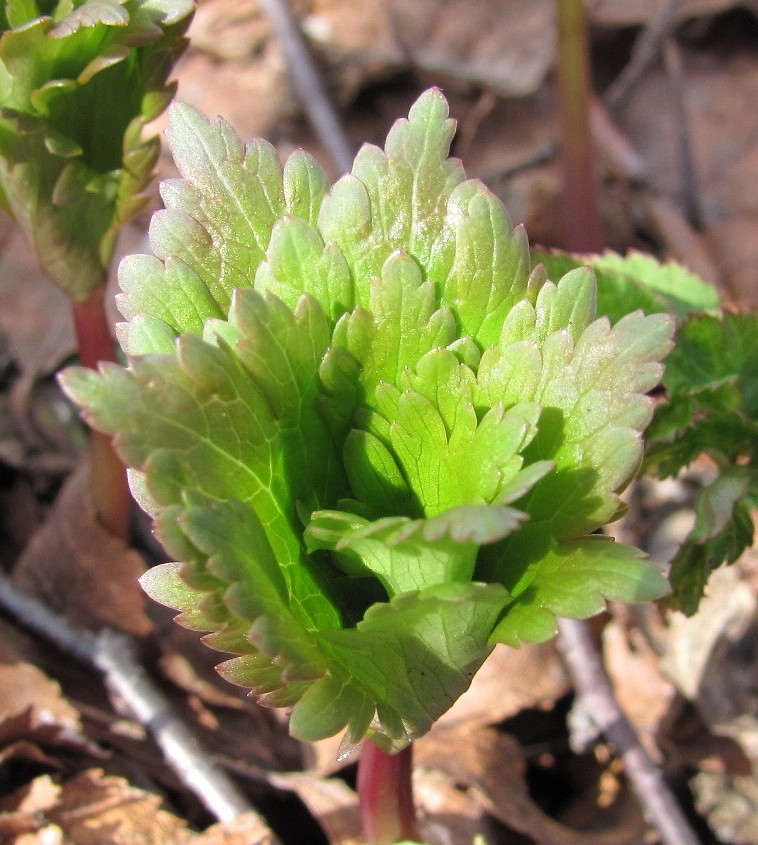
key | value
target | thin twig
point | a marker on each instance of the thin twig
(646, 50)
(113, 654)
(125, 677)
(594, 689)
(308, 84)
(690, 188)
(40, 620)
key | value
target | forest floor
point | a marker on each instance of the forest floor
(676, 131)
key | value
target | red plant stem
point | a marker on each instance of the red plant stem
(386, 796)
(110, 493)
(582, 230)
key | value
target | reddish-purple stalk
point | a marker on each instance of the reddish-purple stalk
(110, 492)
(385, 795)
(581, 218)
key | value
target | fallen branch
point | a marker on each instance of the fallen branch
(308, 84)
(596, 694)
(113, 654)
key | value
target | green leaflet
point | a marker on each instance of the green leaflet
(713, 351)
(575, 579)
(636, 281)
(78, 83)
(376, 438)
(591, 380)
(712, 386)
(413, 655)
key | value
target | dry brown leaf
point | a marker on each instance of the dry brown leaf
(50, 835)
(26, 688)
(622, 13)
(81, 570)
(235, 68)
(703, 652)
(251, 95)
(508, 47)
(246, 829)
(447, 813)
(730, 804)
(23, 811)
(20, 515)
(493, 764)
(511, 680)
(95, 809)
(34, 714)
(228, 30)
(180, 670)
(331, 802)
(28, 752)
(34, 315)
(710, 657)
(720, 91)
(679, 240)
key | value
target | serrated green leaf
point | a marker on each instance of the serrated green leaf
(592, 393)
(683, 291)
(199, 421)
(491, 264)
(712, 350)
(395, 199)
(90, 14)
(636, 281)
(406, 323)
(715, 503)
(298, 262)
(712, 407)
(729, 436)
(228, 200)
(413, 657)
(165, 584)
(412, 554)
(696, 559)
(168, 291)
(575, 579)
(305, 185)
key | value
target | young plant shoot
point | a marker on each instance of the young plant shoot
(79, 80)
(378, 441)
(78, 83)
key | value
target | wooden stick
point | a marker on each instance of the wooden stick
(594, 689)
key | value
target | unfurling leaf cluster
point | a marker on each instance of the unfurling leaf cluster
(376, 438)
(79, 80)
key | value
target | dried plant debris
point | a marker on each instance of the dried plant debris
(82, 570)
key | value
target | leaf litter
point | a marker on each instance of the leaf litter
(250, 67)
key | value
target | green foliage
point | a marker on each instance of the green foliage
(710, 407)
(712, 385)
(637, 280)
(79, 79)
(378, 441)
